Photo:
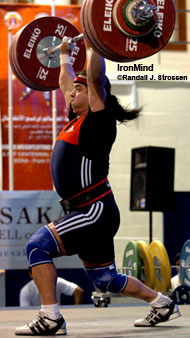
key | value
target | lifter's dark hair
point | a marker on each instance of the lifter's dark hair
(121, 115)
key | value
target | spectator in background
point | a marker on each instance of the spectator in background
(176, 280)
(29, 294)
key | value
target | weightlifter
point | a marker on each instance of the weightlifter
(79, 167)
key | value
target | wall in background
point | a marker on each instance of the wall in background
(164, 122)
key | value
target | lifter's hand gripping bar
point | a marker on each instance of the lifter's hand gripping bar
(52, 50)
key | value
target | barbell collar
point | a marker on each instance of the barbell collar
(142, 12)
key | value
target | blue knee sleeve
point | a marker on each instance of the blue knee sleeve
(107, 279)
(42, 247)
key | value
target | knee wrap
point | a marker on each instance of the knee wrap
(107, 279)
(42, 247)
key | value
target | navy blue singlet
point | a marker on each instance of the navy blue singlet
(80, 157)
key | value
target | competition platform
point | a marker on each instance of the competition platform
(87, 321)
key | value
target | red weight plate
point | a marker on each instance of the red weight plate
(105, 52)
(112, 56)
(16, 68)
(120, 11)
(116, 56)
(132, 48)
(84, 26)
(88, 34)
(14, 64)
(86, 31)
(37, 84)
(43, 71)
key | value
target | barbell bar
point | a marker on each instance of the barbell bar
(52, 50)
(119, 30)
(30, 60)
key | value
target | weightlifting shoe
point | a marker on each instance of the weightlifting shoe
(159, 315)
(43, 326)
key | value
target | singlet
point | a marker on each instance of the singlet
(80, 157)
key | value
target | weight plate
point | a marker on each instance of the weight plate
(147, 275)
(87, 32)
(32, 59)
(124, 20)
(161, 265)
(15, 66)
(103, 49)
(185, 263)
(181, 295)
(128, 47)
(131, 259)
(52, 60)
(90, 35)
(12, 61)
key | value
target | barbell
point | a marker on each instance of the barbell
(119, 30)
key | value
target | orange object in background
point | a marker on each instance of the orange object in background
(32, 110)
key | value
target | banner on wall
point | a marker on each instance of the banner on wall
(21, 214)
(32, 115)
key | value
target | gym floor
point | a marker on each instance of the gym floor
(87, 321)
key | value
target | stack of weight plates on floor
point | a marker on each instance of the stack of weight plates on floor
(150, 264)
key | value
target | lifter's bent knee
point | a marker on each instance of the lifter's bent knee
(42, 247)
(107, 279)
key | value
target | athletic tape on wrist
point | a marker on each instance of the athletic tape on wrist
(65, 58)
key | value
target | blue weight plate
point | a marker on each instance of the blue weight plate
(185, 263)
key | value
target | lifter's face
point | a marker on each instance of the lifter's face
(79, 99)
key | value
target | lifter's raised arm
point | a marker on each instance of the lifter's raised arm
(67, 74)
(96, 81)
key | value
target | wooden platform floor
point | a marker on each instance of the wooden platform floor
(116, 321)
